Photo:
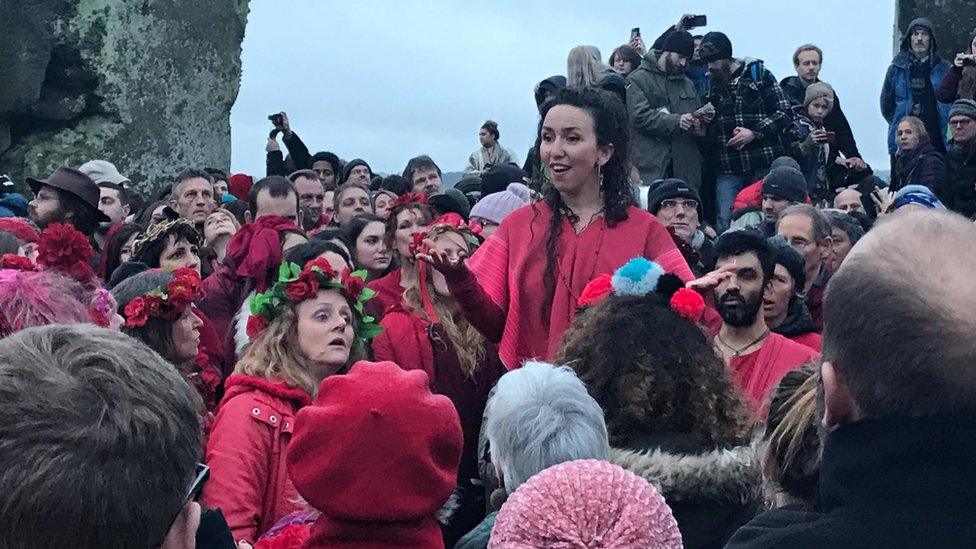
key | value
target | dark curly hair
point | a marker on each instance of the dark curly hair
(612, 127)
(653, 372)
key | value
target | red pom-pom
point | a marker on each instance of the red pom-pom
(688, 304)
(255, 325)
(594, 292)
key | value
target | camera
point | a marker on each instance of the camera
(276, 119)
(969, 60)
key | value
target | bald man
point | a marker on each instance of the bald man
(849, 200)
(899, 388)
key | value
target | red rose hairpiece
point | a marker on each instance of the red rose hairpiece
(410, 197)
(185, 288)
(62, 248)
(17, 262)
(297, 284)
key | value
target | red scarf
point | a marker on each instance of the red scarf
(256, 248)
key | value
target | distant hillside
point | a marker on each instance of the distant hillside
(451, 178)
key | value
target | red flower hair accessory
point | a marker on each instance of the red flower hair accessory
(62, 248)
(410, 197)
(180, 293)
(17, 262)
(688, 304)
(297, 284)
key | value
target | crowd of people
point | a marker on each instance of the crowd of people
(693, 317)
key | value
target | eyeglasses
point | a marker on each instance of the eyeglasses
(687, 204)
(193, 494)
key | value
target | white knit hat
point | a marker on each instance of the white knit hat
(496, 206)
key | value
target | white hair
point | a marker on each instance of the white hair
(539, 416)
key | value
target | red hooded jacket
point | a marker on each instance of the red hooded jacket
(247, 454)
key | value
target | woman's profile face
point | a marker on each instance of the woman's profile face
(186, 335)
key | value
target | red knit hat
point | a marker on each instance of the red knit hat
(377, 454)
(19, 228)
(240, 185)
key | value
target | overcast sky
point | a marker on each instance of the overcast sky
(386, 81)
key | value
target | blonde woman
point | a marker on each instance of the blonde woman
(428, 332)
(306, 327)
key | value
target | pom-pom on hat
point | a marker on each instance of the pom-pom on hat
(585, 503)
(637, 277)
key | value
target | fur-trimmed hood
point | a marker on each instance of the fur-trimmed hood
(722, 475)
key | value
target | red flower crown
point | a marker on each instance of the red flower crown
(296, 284)
(471, 231)
(410, 197)
(169, 304)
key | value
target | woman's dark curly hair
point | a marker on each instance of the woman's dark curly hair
(612, 127)
(653, 372)
(151, 251)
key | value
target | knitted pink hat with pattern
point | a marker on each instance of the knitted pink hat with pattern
(585, 504)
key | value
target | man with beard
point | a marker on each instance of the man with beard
(751, 113)
(67, 196)
(661, 100)
(909, 86)
(757, 358)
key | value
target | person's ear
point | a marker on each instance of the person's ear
(604, 153)
(839, 404)
(248, 217)
(126, 209)
(183, 533)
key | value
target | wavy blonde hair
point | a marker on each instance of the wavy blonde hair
(469, 344)
(275, 354)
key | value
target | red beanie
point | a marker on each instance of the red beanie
(240, 185)
(377, 454)
(19, 228)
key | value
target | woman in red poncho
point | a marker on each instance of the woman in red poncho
(521, 288)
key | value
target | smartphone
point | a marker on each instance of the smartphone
(276, 119)
(832, 137)
(635, 33)
(696, 21)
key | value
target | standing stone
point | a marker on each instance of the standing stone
(953, 21)
(145, 84)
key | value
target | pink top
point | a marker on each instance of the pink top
(501, 290)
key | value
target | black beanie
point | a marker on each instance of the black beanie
(664, 189)
(680, 42)
(785, 182)
(787, 256)
(715, 46)
(497, 178)
(347, 169)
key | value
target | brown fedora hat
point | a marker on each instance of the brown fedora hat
(73, 182)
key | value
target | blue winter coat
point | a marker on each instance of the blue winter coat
(896, 95)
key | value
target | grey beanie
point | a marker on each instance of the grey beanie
(963, 107)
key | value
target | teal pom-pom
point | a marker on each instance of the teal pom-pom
(638, 276)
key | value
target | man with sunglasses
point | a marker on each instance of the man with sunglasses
(678, 207)
(101, 448)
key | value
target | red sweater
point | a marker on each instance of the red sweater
(758, 372)
(247, 454)
(500, 290)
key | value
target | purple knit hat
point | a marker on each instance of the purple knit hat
(496, 206)
(585, 503)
